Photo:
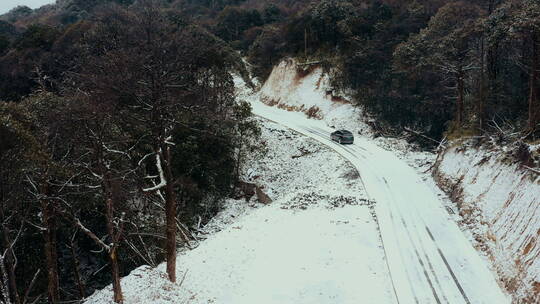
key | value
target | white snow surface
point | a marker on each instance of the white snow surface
(286, 87)
(430, 259)
(500, 203)
(318, 242)
(330, 236)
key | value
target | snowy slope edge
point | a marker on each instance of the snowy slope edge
(317, 242)
(500, 204)
(308, 89)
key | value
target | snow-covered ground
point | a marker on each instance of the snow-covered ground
(375, 229)
(500, 204)
(498, 201)
(318, 242)
(288, 87)
(430, 259)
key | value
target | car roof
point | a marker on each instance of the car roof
(345, 131)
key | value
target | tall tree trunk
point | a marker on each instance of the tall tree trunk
(460, 98)
(76, 266)
(50, 244)
(481, 111)
(238, 161)
(4, 281)
(533, 89)
(170, 214)
(115, 271)
(8, 266)
(492, 65)
(305, 43)
(113, 256)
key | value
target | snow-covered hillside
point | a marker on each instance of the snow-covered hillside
(308, 89)
(318, 242)
(372, 230)
(292, 89)
(500, 203)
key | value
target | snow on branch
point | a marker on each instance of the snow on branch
(168, 141)
(115, 151)
(144, 158)
(162, 180)
(4, 282)
(91, 235)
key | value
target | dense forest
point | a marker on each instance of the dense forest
(120, 131)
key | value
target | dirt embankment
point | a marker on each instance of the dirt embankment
(302, 88)
(499, 202)
(308, 88)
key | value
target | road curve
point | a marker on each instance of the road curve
(429, 258)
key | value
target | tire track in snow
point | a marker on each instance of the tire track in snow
(323, 135)
(323, 138)
(441, 254)
(449, 268)
(420, 261)
(428, 260)
(479, 281)
(431, 268)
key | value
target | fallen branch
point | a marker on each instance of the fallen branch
(422, 135)
(185, 233)
(148, 234)
(439, 154)
(183, 278)
(85, 230)
(37, 299)
(29, 289)
(310, 63)
(139, 253)
(441, 145)
(531, 169)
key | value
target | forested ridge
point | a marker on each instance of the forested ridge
(120, 131)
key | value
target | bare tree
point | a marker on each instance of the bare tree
(8, 263)
(141, 68)
(155, 73)
(18, 150)
(107, 171)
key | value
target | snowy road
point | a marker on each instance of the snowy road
(428, 257)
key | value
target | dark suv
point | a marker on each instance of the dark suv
(342, 137)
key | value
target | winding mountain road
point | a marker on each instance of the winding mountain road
(429, 258)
